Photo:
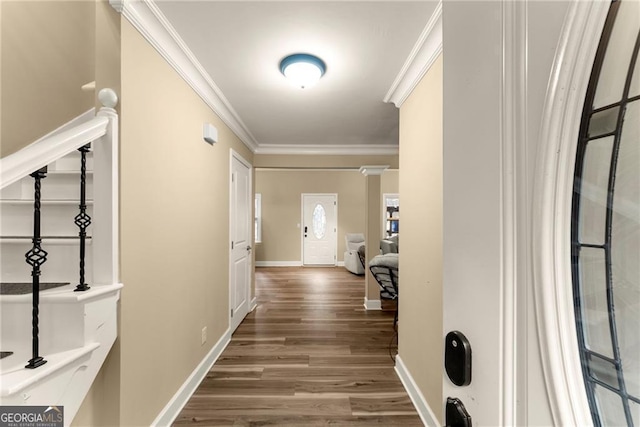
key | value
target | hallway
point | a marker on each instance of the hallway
(307, 355)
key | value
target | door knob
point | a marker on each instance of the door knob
(248, 248)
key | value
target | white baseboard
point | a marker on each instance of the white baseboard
(340, 264)
(372, 304)
(254, 304)
(424, 410)
(171, 411)
(278, 263)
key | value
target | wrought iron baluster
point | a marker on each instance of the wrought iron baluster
(35, 257)
(83, 220)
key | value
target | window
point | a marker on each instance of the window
(257, 221)
(605, 232)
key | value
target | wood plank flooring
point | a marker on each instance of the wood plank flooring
(309, 354)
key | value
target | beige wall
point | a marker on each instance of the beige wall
(174, 230)
(420, 312)
(174, 238)
(390, 182)
(281, 206)
(47, 54)
(101, 406)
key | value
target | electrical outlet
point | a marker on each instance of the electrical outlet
(204, 336)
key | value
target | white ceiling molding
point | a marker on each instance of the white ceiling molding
(145, 16)
(422, 56)
(346, 169)
(373, 170)
(358, 150)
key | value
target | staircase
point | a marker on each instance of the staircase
(58, 236)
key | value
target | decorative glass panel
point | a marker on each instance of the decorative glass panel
(625, 248)
(595, 311)
(603, 371)
(618, 54)
(319, 221)
(593, 189)
(635, 82)
(610, 408)
(605, 232)
(604, 121)
(635, 412)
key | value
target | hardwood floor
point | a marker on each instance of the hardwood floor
(309, 354)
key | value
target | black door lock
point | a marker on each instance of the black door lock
(456, 414)
(457, 358)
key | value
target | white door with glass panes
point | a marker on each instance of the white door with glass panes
(319, 229)
(541, 221)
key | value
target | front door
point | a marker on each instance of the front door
(319, 229)
(240, 234)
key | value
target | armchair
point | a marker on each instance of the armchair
(351, 259)
(390, 245)
(384, 269)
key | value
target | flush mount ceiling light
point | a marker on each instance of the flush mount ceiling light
(302, 69)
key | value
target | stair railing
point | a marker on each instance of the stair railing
(35, 258)
(33, 160)
(83, 220)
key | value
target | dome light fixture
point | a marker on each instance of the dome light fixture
(302, 69)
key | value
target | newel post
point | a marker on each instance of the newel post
(105, 195)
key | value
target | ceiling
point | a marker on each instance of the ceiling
(364, 44)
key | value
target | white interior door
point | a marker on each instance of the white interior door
(319, 229)
(240, 232)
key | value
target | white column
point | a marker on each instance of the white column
(372, 235)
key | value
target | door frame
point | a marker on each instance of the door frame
(551, 217)
(335, 212)
(386, 196)
(234, 154)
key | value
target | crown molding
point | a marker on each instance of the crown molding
(373, 170)
(422, 56)
(118, 5)
(145, 16)
(329, 149)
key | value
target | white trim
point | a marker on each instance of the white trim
(47, 149)
(513, 216)
(254, 304)
(106, 210)
(257, 215)
(551, 217)
(372, 304)
(147, 18)
(424, 410)
(373, 170)
(386, 196)
(310, 169)
(85, 117)
(422, 56)
(278, 263)
(329, 149)
(340, 264)
(170, 412)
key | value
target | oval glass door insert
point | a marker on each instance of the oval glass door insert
(319, 221)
